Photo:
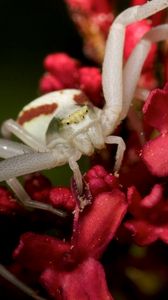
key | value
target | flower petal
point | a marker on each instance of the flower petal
(143, 233)
(155, 155)
(38, 187)
(163, 234)
(100, 180)
(8, 204)
(155, 109)
(61, 197)
(98, 224)
(92, 88)
(37, 252)
(49, 83)
(85, 282)
(154, 197)
(134, 201)
(63, 67)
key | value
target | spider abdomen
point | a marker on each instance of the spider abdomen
(37, 115)
(63, 117)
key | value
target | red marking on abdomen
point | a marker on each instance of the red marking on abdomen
(34, 112)
(81, 98)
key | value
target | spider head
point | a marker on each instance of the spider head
(78, 126)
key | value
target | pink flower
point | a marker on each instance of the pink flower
(65, 72)
(154, 152)
(8, 204)
(60, 264)
(92, 88)
(100, 180)
(90, 6)
(38, 187)
(62, 67)
(86, 281)
(97, 225)
(149, 216)
(98, 11)
(61, 197)
(93, 19)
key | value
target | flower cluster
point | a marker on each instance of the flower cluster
(61, 265)
(64, 72)
(115, 248)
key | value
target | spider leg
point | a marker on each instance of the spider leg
(29, 163)
(112, 76)
(13, 167)
(120, 149)
(76, 170)
(27, 202)
(135, 63)
(20, 285)
(10, 148)
(11, 126)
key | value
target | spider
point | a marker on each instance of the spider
(57, 128)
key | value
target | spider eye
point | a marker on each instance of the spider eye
(76, 116)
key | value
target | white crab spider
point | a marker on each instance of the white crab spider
(88, 127)
(61, 126)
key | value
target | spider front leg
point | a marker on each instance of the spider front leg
(13, 167)
(10, 148)
(120, 150)
(76, 170)
(11, 126)
(113, 61)
(27, 202)
(29, 163)
(19, 284)
(134, 64)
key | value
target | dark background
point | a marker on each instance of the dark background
(29, 30)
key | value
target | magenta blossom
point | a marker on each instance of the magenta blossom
(99, 12)
(93, 19)
(149, 216)
(65, 72)
(154, 152)
(8, 204)
(69, 269)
